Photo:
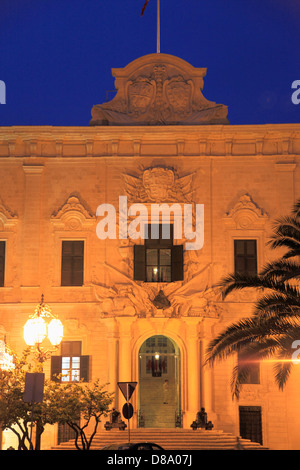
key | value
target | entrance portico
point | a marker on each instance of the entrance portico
(159, 383)
(152, 351)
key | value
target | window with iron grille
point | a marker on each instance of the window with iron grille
(251, 423)
(65, 432)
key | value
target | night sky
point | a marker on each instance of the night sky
(56, 55)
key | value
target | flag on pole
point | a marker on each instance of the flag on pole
(144, 7)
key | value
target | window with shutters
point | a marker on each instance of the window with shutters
(71, 365)
(158, 260)
(2, 263)
(72, 261)
(245, 257)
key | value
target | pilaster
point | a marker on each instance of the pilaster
(31, 226)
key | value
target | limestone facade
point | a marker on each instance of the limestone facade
(52, 181)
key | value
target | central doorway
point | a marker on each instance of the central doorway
(159, 383)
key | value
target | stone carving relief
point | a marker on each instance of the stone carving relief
(158, 184)
(130, 298)
(72, 325)
(159, 89)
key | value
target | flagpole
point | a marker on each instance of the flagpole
(158, 27)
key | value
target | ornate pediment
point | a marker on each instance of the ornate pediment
(8, 219)
(74, 214)
(159, 89)
(245, 214)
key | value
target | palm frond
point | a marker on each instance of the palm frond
(296, 209)
(237, 282)
(282, 270)
(286, 234)
(236, 336)
(278, 304)
(282, 371)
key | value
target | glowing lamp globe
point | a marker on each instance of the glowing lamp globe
(43, 324)
(35, 331)
(55, 331)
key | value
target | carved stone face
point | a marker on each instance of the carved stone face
(157, 183)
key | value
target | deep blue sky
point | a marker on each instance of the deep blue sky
(56, 55)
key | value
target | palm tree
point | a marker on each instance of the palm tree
(275, 323)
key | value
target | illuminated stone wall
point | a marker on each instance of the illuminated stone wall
(53, 180)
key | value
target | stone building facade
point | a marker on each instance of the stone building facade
(147, 314)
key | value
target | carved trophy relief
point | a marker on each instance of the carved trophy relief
(145, 299)
(158, 184)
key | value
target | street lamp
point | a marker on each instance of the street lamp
(40, 325)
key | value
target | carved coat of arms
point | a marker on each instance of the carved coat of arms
(159, 89)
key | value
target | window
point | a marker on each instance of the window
(72, 263)
(158, 260)
(253, 376)
(245, 257)
(71, 364)
(2, 263)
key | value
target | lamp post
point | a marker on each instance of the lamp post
(40, 325)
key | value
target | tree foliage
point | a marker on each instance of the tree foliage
(79, 405)
(72, 401)
(15, 414)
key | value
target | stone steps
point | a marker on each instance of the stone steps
(170, 439)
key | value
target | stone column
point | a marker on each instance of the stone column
(125, 353)
(285, 187)
(207, 377)
(193, 370)
(112, 358)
